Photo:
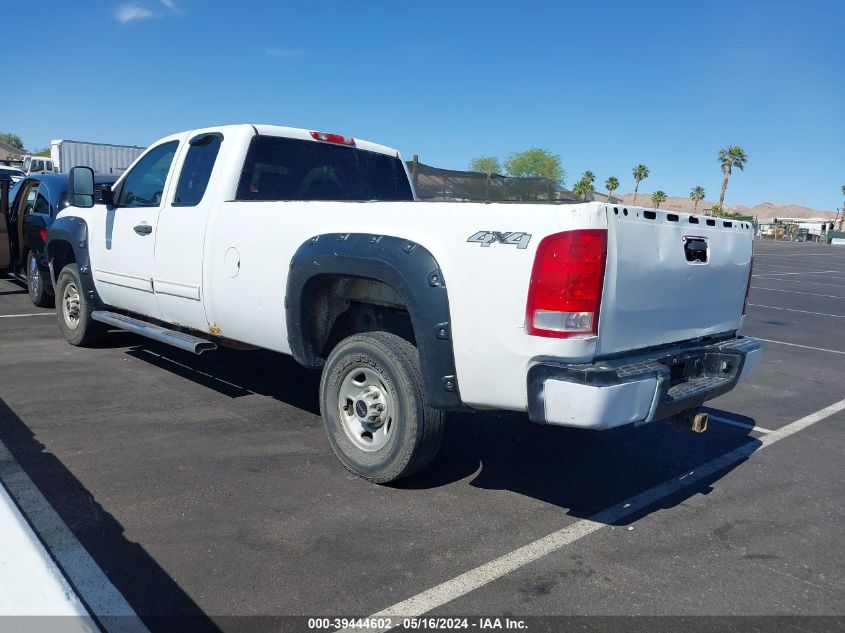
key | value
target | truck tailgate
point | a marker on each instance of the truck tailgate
(658, 290)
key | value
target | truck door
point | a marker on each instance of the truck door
(180, 239)
(122, 242)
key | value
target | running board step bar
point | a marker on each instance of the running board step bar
(181, 340)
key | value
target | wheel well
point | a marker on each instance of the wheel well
(339, 306)
(61, 254)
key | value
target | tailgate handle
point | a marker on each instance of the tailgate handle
(695, 249)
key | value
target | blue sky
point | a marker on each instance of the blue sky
(604, 84)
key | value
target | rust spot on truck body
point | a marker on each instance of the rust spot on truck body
(215, 330)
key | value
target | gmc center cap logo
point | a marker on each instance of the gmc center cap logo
(361, 408)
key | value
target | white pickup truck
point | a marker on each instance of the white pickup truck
(311, 244)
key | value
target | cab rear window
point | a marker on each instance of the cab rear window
(278, 168)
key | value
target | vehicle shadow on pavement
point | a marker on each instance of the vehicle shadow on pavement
(235, 373)
(577, 470)
(581, 471)
(151, 592)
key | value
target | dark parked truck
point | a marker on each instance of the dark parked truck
(310, 244)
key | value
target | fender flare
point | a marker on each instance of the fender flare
(407, 267)
(73, 231)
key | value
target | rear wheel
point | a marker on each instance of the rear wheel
(73, 310)
(38, 283)
(374, 409)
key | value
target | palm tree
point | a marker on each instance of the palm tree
(611, 184)
(731, 156)
(697, 195)
(590, 178)
(640, 174)
(657, 197)
(582, 188)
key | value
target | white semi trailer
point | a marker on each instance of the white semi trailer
(103, 158)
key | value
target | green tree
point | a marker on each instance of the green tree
(12, 139)
(640, 173)
(611, 184)
(730, 157)
(657, 197)
(536, 163)
(43, 152)
(486, 165)
(696, 195)
(582, 188)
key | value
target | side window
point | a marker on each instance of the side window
(13, 191)
(280, 168)
(144, 185)
(42, 202)
(29, 198)
(197, 169)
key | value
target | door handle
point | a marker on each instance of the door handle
(143, 229)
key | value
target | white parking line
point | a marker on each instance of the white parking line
(838, 316)
(814, 272)
(742, 425)
(14, 316)
(796, 292)
(818, 349)
(512, 561)
(801, 281)
(90, 583)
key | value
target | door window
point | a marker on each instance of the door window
(42, 201)
(196, 171)
(144, 185)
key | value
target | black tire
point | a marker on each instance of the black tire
(413, 431)
(86, 330)
(38, 283)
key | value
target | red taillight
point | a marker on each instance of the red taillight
(333, 138)
(564, 294)
(43, 234)
(748, 286)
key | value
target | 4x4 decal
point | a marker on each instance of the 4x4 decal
(485, 238)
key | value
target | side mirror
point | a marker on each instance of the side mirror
(81, 187)
(106, 196)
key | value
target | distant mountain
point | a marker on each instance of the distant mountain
(763, 211)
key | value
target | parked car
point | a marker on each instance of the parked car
(34, 202)
(14, 173)
(587, 315)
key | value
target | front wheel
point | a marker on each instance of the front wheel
(73, 310)
(38, 283)
(374, 408)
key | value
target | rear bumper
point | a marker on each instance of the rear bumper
(640, 387)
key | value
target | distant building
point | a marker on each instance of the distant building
(803, 229)
(9, 153)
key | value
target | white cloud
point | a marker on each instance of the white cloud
(171, 6)
(129, 12)
(275, 51)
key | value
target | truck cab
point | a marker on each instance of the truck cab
(38, 165)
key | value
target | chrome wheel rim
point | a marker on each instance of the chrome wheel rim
(366, 409)
(33, 278)
(70, 305)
